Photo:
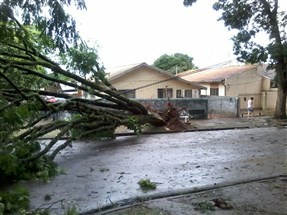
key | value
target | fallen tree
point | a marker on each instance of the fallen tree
(42, 52)
(108, 111)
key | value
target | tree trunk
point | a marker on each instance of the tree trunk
(280, 109)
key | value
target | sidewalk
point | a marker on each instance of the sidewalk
(262, 197)
(215, 124)
(233, 123)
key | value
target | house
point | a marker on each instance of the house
(242, 81)
(143, 81)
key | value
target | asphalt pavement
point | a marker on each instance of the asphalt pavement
(217, 166)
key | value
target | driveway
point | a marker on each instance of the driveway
(100, 174)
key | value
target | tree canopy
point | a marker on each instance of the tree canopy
(251, 18)
(174, 63)
(41, 48)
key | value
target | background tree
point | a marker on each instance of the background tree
(250, 18)
(175, 63)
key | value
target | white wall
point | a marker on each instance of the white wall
(221, 89)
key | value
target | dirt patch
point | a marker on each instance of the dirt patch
(262, 197)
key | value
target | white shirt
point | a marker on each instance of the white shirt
(249, 103)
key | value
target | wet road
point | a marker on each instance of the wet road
(100, 174)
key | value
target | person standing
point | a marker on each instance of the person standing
(250, 107)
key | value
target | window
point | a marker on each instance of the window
(164, 93)
(169, 92)
(178, 94)
(128, 93)
(160, 93)
(188, 93)
(214, 91)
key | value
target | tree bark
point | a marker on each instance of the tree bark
(280, 109)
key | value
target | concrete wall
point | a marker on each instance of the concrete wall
(266, 84)
(245, 85)
(223, 107)
(211, 107)
(269, 95)
(257, 102)
(221, 90)
(197, 106)
(269, 99)
(249, 82)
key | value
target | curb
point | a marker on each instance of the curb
(166, 132)
(184, 131)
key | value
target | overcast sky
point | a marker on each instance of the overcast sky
(134, 31)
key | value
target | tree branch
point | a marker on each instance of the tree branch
(49, 146)
(59, 148)
(12, 84)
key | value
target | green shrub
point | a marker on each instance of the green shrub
(135, 125)
(15, 199)
(12, 167)
(205, 206)
(71, 211)
(146, 184)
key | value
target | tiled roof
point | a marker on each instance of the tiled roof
(215, 74)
